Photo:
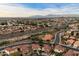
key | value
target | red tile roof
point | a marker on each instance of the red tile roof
(72, 37)
(76, 52)
(46, 48)
(48, 37)
(24, 48)
(58, 47)
(10, 49)
(35, 46)
(69, 53)
(76, 43)
(70, 41)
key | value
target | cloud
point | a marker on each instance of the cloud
(9, 10)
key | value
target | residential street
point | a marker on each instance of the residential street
(58, 39)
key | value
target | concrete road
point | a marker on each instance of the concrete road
(16, 44)
(57, 38)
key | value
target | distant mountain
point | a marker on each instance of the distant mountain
(46, 16)
(37, 16)
(51, 16)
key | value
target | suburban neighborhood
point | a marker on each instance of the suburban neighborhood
(57, 36)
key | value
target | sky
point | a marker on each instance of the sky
(31, 9)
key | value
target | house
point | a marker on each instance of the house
(76, 44)
(72, 25)
(71, 53)
(76, 53)
(72, 37)
(46, 48)
(69, 31)
(24, 49)
(48, 37)
(70, 41)
(66, 36)
(36, 47)
(59, 49)
(10, 50)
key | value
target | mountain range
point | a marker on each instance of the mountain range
(51, 16)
